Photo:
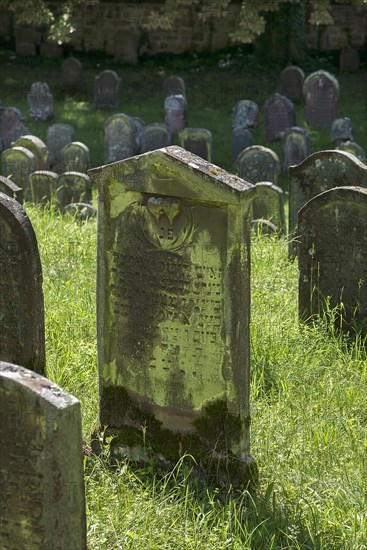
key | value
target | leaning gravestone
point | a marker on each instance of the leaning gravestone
(245, 114)
(71, 74)
(321, 91)
(120, 138)
(268, 204)
(333, 255)
(258, 163)
(173, 330)
(175, 113)
(198, 141)
(40, 101)
(241, 139)
(296, 146)
(42, 483)
(73, 187)
(279, 116)
(174, 85)
(155, 136)
(75, 157)
(342, 130)
(36, 146)
(107, 90)
(22, 330)
(17, 164)
(12, 126)
(9, 188)
(58, 135)
(352, 148)
(43, 186)
(292, 79)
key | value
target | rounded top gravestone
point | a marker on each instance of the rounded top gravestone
(292, 79)
(258, 163)
(352, 148)
(342, 130)
(321, 91)
(279, 116)
(40, 101)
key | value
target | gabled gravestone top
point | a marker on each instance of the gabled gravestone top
(58, 135)
(268, 204)
(11, 125)
(40, 101)
(292, 79)
(321, 91)
(155, 136)
(342, 130)
(107, 90)
(258, 163)
(175, 113)
(22, 331)
(198, 141)
(279, 116)
(296, 146)
(352, 148)
(41, 470)
(75, 157)
(173, 331)
(17, 164)
(43, 186)
(245, 114)
(9, 188)
(120, 137)
(174, 85)
(333, 255)
(36, 146)
(71, 74)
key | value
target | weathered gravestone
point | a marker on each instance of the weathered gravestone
(342, 130)
(321, 91)
(349, 60)
(11, 126)
(198, 141)
(43, 186)
(57, 136)
(41, 468)
(22, 331)
(352, 148)
(245, 114)
(155, 136)
(71, 74)
(139, 126)
(268, 204)
(258, 163)
(107, 90)
(173, 330)
(333, 255)
(81, 210)
(261, 226)
(73, 187)
(279, 116)
(120, 138)
(174, 85)
(241, 139)
(40, 101)
(75, 157)
(9, 188)
(36, 146)
(296, 146)
(292, 79)
(17, 164)
(175, 113)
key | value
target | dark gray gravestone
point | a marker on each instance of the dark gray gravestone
(43, 186)
(333, 255)
(9, 188)
(40, 101)
(174, 85)
(296, 146)
(42, 484)
(175, 113)
(17, 164)
(73, 187)
(71, 74)
(349, 60)
(120, 138)
(22, 330)
(291, 80)
(75, 157)
(58, 135)
(352, 148)
(321, 91)
(11, 126)
(268, 204)
(81, 210)
(245, 114)
(173, 332)
(155, 136)
(198, 141)
(342, 130)
(241, 139)
(107, 90)
(279, 116)
(36, 146)
(139, 126)
(25, 49)
(258, 163)
(51, 50)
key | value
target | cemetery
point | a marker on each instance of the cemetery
(183, 299)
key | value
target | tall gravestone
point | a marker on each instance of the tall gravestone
(296, 146)
(36, 146)
(41, 468)
(9, 188)
(321, 91)
(174, 85)
(241, 139)
(245, 114)
(258, 163)
(73, 187)
(173, 327)
(107, 90)
(75, 157)
(120, 138)
(12, 126)
(352, 148)
(268, 204)
(57, 136)
(71, 74)
(40, 101)
(292, 79)
(198, 141)
(175, 113)
(279, 115)
(43, 186)
(17, 164)
(155, 136)
(342, 130)
(332, 255)
(22, 330)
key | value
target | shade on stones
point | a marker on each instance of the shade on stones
(174, 85)
(296, 146)
(268, 204)
(241, 139)
(155, 136)
(43, 186)
(57, 136)
(107, 90)
(71, 74)
(73, 187)
(17, 164)
(75, 157)
(12, 125)
(352, 148)
(198, 141)
(258, 163)
(342, 130)
(292, 79)
(321, 91)
(279, 116)
(120, 137)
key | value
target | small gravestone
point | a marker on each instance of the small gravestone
(264, 227)
(292, 79)
(173, 330)
(198, 141)
(11, 126)
(245, 114)
(349, 60)
(174, 85)
(332, 255)
(342, 130)
(22, 329)
(9, 188)
(107, 90)
(40, 101)
(241, 139)
(297, 146)
(268, 204)
(81, 210)
(73, 187)
(17, 164)
(139, 126)
(58, 135)
(175, 113)
(75, 157)
(279, 116)
(353, 148)
(321, 91)
(43, 186)
(120, 138)
(42, 481)
(36, 146)
(71, 74)
(155, 136)
(258, 163)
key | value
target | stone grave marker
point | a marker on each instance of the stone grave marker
(43, 186)
(291, 79)
(349, 60)
(107, 90)
(9, 188)
(279, 115)
(17, 164)
(175, 113)
(297, 146)
(11, 126)
(241, 139)
(73, 187)
(139, 126)
(81, 210)
(120, 138)
(174, 85)
(173, 330)
(51, 50)
(42, 479)
(342, 130)
(22, 329)
(75, 157)
(245, 114)
(198, 141)
(40, 101)
(36, 146)
(155, 136)
(268, 204)
(321, 91)
(332, 255)
(71, 74)
(58, 135)
(258, 163)
(353, 148)
(264, 227)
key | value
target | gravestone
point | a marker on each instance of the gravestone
(36, 146)
(139, 126)
(241, 139)
(58, 135)
(43, 186)
(81, 210)
(296, 146)
(258, 163)
(174, 85)
(264, 227)
(173, 330)
(11, 126)
(126, 46)
(175, 113)
(342, 130)
(71, 74)
(120, 138)
(245, 114)
(75, 157)
(279, 115)
(332, 256)
(107, 90)
(17, 164)
(42, 482)
(268, 204)
(9, 188)
(25, 49)
(352, 148)
(22, 329)
(50, 50)
(321, 91)
(73, 187)
(349, 60)
(40, 101)
(291, 79)
(155, 136)
(198, 141)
